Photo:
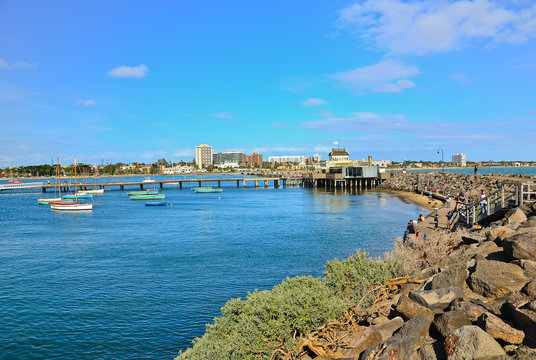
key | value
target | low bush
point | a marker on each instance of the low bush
(268, 320)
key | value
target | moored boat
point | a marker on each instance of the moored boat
(208, 190)
(78, 195)
(146, 192)
(148, 197)
(51, 200)
(95, 191)
(70, 206)
(163, 203)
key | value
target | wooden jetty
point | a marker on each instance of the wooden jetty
(255, 181)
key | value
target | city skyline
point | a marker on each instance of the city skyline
(122, 81)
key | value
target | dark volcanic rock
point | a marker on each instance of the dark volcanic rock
(451, 321)
(495, 278)
(471, 342)
(409, 309)
(500, 330)
(472, 311)
(521, 246)
(437, 299)
(449, 277)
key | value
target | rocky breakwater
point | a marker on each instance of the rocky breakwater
(445, 183)
(475, 298)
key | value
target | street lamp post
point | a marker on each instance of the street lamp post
(442, 168)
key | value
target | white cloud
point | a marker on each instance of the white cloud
(5, 65)
(129, 71)
(386, 76)
(360, 121)
(85, 102)
(325, 113)
(224, 115)
(461, 78)
(436, 26)
(313, 102)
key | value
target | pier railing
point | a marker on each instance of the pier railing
(28, 185)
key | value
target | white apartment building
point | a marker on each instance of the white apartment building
(317, 158)
(459, 160)
(203, 155)
(381, 163)
(288, 159)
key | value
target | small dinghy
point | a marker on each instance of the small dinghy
(163, 203)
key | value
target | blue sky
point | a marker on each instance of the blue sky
(110, 81)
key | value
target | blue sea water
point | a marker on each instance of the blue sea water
(127, 281)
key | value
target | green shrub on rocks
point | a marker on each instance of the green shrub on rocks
(354, 276)
(273, 319)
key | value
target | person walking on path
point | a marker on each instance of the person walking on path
(436, 221)
(483, 202)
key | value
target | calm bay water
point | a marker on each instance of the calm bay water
(128, 281)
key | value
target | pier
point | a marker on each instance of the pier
(123, 185)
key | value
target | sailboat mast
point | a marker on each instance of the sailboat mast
(75, 184)
(59, 179)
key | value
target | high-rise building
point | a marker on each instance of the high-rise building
(254, 160)
(317, 158)
(459, 160)
(228, 157)
(203, 155)
(300, 159)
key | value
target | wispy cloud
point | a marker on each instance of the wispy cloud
(297, 85)
(279, 125)
(139, 71)
(313, 102)
(85, 103)
(361, 121)
(461, 78)
(224, 115)
(5, 65)
(434, 26)
(184, 153)
(325, 113)
(386, 76)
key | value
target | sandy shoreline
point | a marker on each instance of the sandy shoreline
(421, 200)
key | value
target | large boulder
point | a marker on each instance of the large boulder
(409, 309)
(472, 311)
(451, 321)
(530, 289)
(495, 278)
(500, 330)
(521, 246)
(471, 342)
(515, 215)
(437, 299)
(404, 344)
(447, 278)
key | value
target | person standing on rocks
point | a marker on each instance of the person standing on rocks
(483, 202)
(476, 170)
(436, 220)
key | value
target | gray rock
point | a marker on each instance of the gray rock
(432, 351)
(500, 330)
(437, 299)
(495, 278)
(386, 329)
(472, 311)
(449, 277)
(515, 215)
(451, 321)
(404, 344)
(358, 342)
(471, 342)
(521, 246)
(528, 265)
(473, 239)
(520, 317)
(409, 309)
(530, 289)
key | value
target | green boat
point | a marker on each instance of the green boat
(146, 192)
(148, 197)
(208, 190)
